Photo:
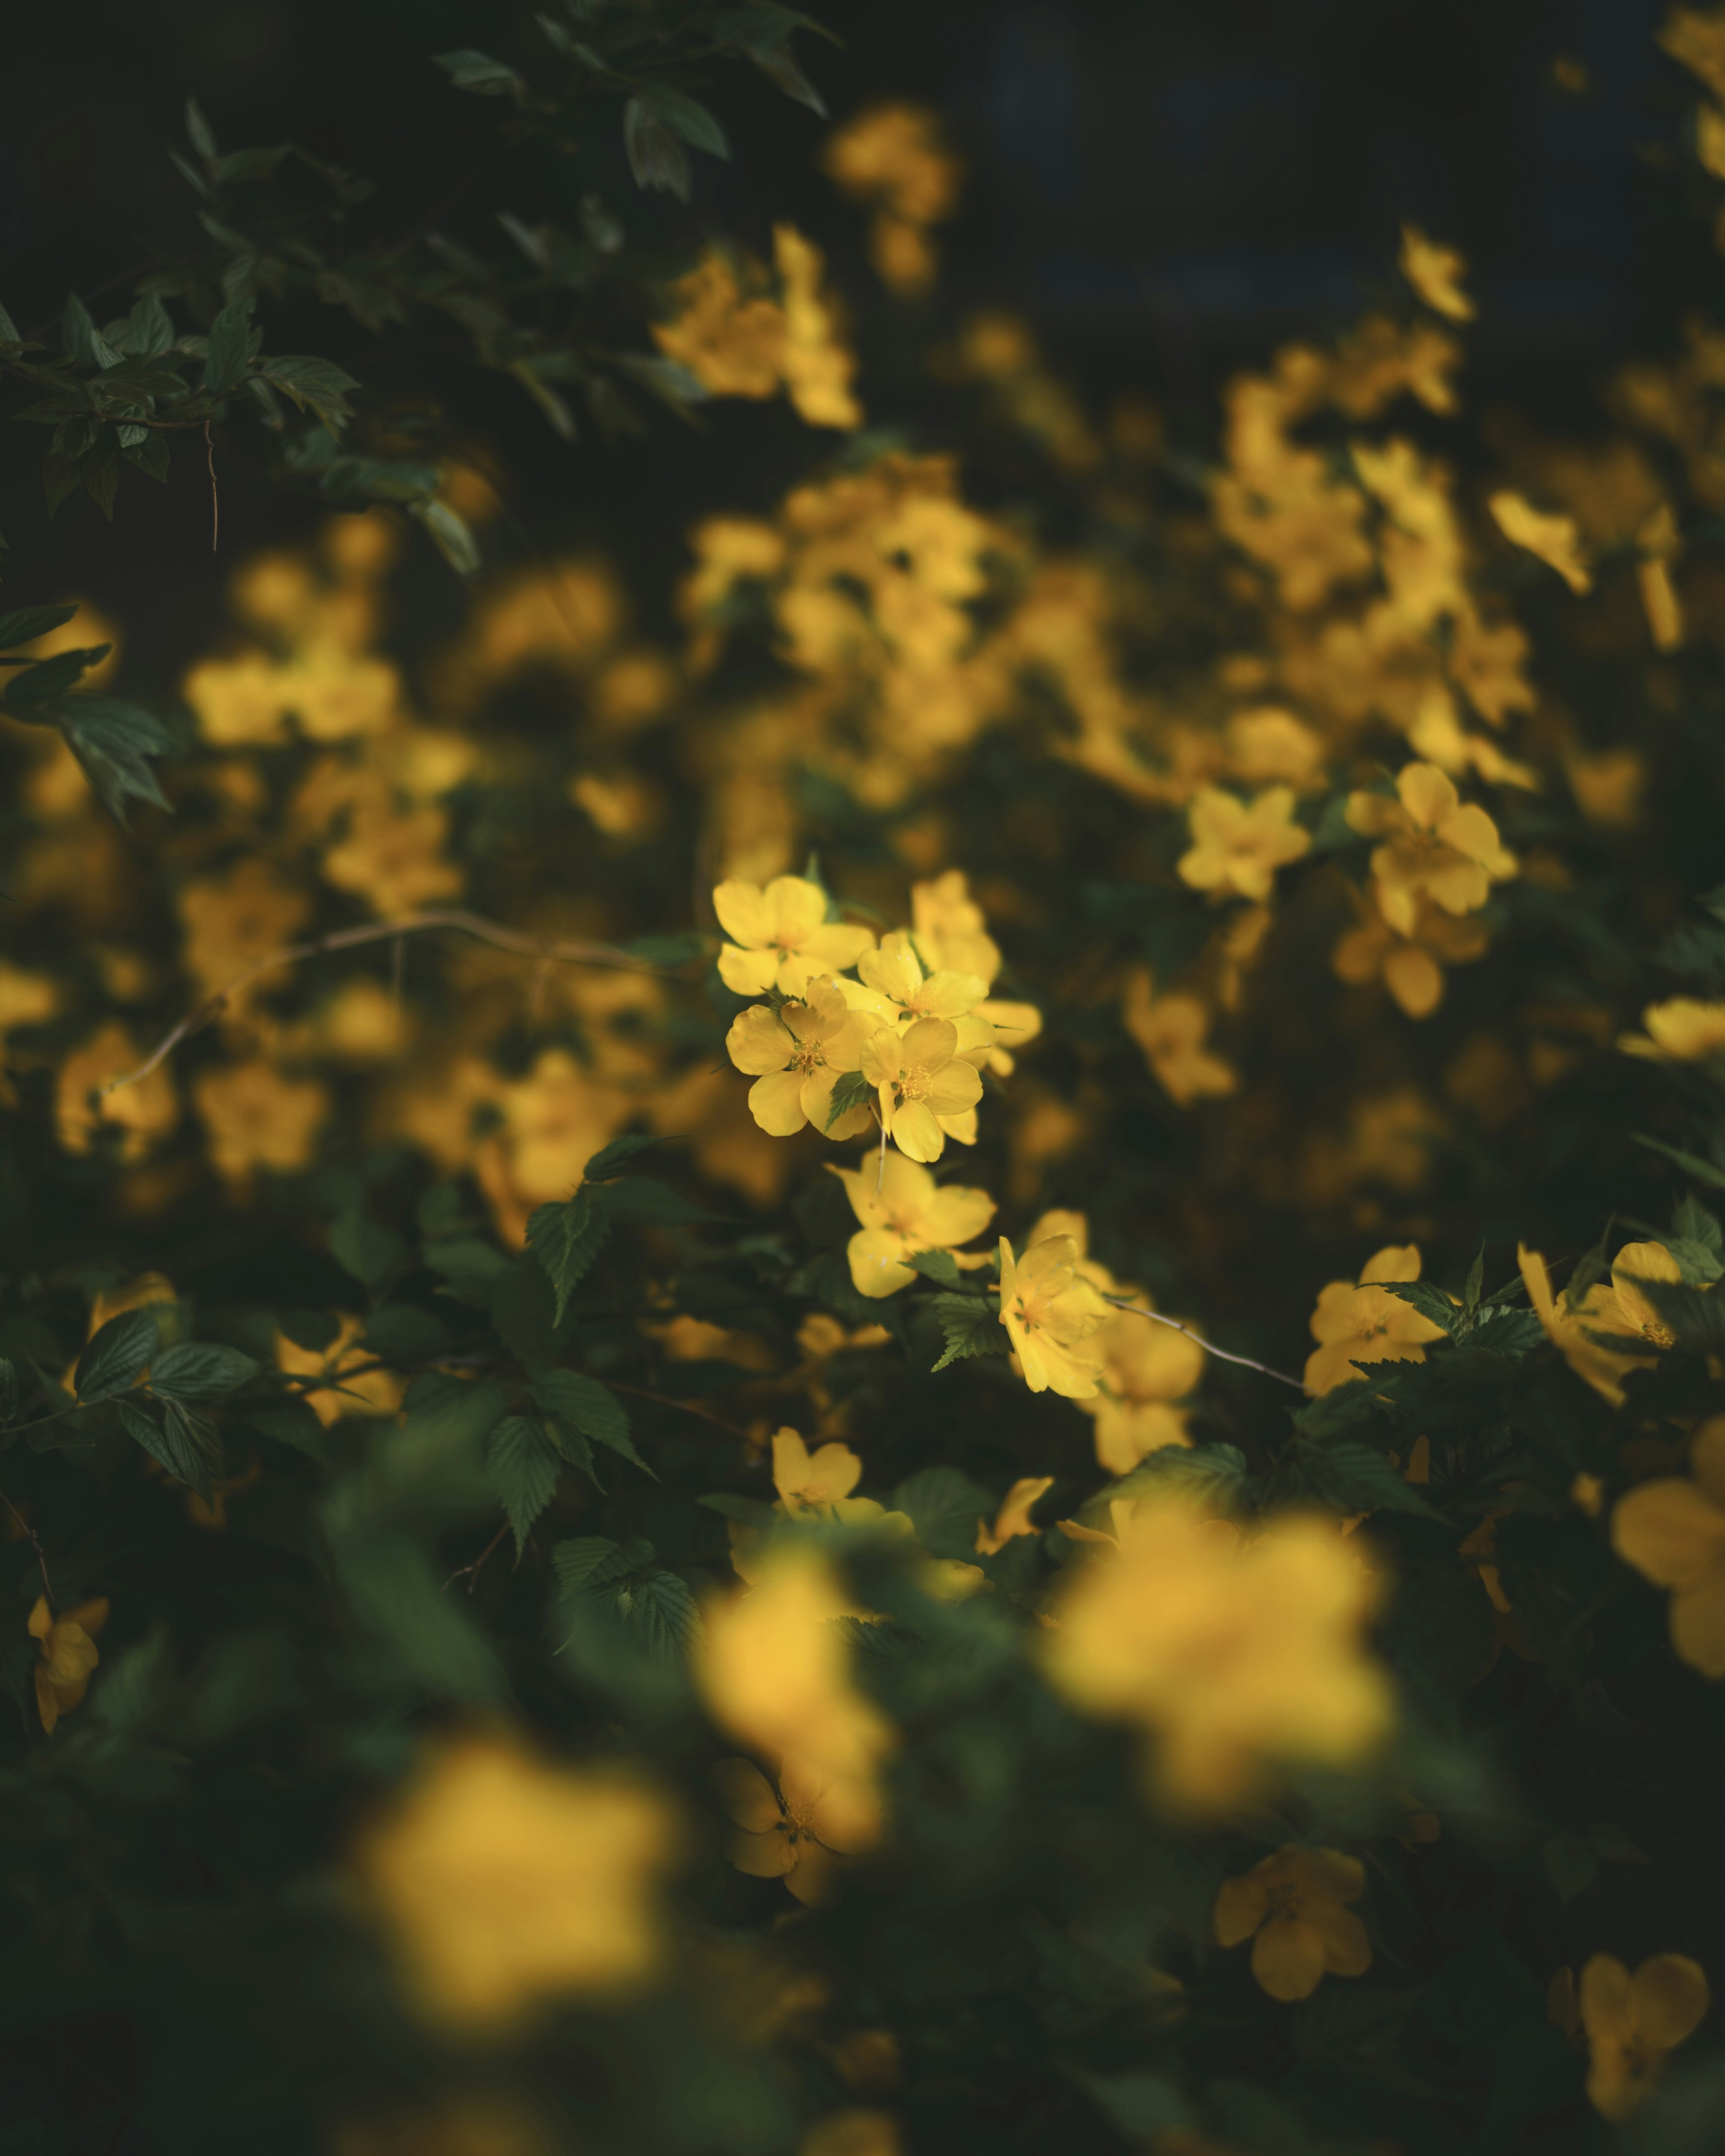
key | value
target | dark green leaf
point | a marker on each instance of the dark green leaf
(27, 623)
(523, 1312)
(1428, 1299)
(1696, 1315)
(972, 1326)
(1343, 1475)
(637, 1201)
(480, 73)
(524, 1466)
(228, 352)
(612, 1159)
(200, 1371)
(656, 157)
(314, 385)
(1703, 1171)
(586, 1562)
(945, 1507)
(589, 1407)
(81, 338)
(938, 1266)
(116, 1355)
(9, 1390)
(198, 129)
(146, 332)
(566, 1239)
(685, 115)
(659, 1609)
(182, 1440)
(46, 678)
(113, 741)
(361, 1244)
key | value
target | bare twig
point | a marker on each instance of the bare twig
(563, 952)
(471, 1573)
(215, 499)
(688, 1407)
(29, 1534)
(1209, 1348)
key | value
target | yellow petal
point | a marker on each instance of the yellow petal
(776, 1103)
(742, 911)
(746, 1795)
(1667, 2000)
(1288, 1958)
(1670, 1530)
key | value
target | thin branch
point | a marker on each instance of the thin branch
(563, 952)
(30, 1536)
(688, 1407)
(215, 499)
(471, 1573)
(1209, 1348)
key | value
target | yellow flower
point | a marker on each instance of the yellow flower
(1236, 1657)
(732, 340)
(1673, 1531)
(231, 921)
(1291, 1907)
(1620, 1310)
(950, 928)
(904, 1210)
(901, 989)
(1435, 273)
(776, 1673)
(1146, 1368)
(785, 1833)
(1238, 845)
(797, 1057)
(817, 365)
(893, 155)
(1048, 1310)
(1634, 2023)
(1553, 540)
(146, 1111)
(812, 1482)
(1433, 843)
(365, 1393)
(1365, 1323)
(1683, 1031)
(925, 1089)
(1014, 1518)
(503, 1880)
(257, 1118)
(66, 1652)
(1411, 966)
(1172, 1030)
(781, 936)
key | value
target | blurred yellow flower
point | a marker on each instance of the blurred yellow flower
(950, 929)
(503, 1880)
(1292, 1907)
(1433, 845)
(365, 1392)
(812, 1481)
(1238, 1657)
(1363, 1323)
(775, 1670)
(786, 1833)
(1013, 1518)
(392, 854)
(1435, 274)
(817, 365)
(894, 156)
(1551, 539)
(797, 1056)
(256, 1118)
(1634, 2023)
(147, 1110)
(1049, 1310)
(904, 1210)
(780, 937)
(239, 702)
(854, 2134)
(1619, 1311)
(1411, 966)
(66, 1655)
(924, 1090)
(1172, 1031)
(1145, 1369)
(233, 920)
(1238, 845)
(1697, 42)
(1672, 1529)
(1682, 1031)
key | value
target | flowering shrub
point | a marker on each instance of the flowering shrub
(614, 1541)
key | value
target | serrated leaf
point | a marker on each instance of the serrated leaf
(591, 1408)
(611, 1160)
(183, 1441)
(661, 1612)
(939, 1265)
(200, 1370)
(524, 1466)
(524, 1313)
(566, 1239)
(314, 385)
(227, 353)
(1695, 1315)
(81, 338)
(117, 1356)
(850, 1090)
(113, 741)
(480, 74)
(1428, 1299)
(1691, 1222)
(45, 679)
(970, 1327)
(638, 1201)
(27, 623)
(656, 158)
(586, 1562)
(944, 1506)
(1342, 1475)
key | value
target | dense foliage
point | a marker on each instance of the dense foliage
(915, 1348)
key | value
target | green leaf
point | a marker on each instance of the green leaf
(81, 338)
(850, 1090)
(27, 623)
(227, 353)
(525, 1314)
(1571, 1864)
(591, 1408)
(524, 1466)
(972, 1326)
(586, 1562)
(611, 1160)
(1692, 1223)
(314, 385)
(183, 1441)
(113, 741)
(46, 678)
(361, 1244)
(148, 332)
(660, 1609)
(1342, 1475)
(198, 129)
(939, 1265)
(117, 1356)
(451, 534)
(1428, 1299)
(945, 1506)
(685, 115)
(1703, 1171)
(9, 1390)
(479, 73)
(565, 1238)
(637, 1201)
(199, 1370)
(656, 157)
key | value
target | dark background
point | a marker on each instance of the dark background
(1165, 190)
